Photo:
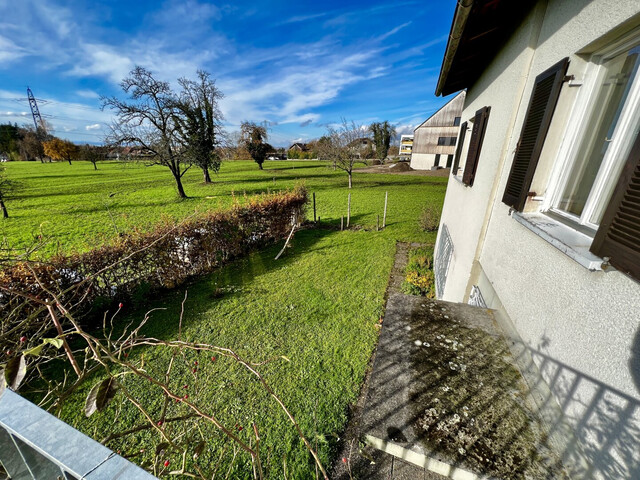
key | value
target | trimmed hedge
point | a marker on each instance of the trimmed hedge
(162, 258)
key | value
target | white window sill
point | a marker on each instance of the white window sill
(569, 241)
(458, 178)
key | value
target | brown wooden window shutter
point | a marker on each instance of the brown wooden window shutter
(534, 131)
(475, 145)
(456, 161)
(618, 237)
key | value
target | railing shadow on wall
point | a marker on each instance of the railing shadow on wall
(597, 424)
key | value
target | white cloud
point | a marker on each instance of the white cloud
(10, 51)
(405, 129)
(14, 114)
(303, 18)
(87, 94)
(186, 12)
(394, 31)
(95, 126)
(102, 61)
(299, 87)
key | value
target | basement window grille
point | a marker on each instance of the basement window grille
(476, 299)
(443, 259)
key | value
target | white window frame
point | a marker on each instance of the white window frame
(573, 137)
(465, 148)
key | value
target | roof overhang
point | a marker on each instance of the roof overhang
(478, 31)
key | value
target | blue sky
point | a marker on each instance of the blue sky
(300, 66)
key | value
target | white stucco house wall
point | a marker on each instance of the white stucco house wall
(434, 140)
(541, 219)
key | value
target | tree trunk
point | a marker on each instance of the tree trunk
(260, 165)
(181, 193)
(95, 167)
(207, 177)
(5, 214)
(349, 179)
(69, 160)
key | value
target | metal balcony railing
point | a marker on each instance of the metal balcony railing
(35, 445)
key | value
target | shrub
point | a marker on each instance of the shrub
(419, 278)
(140, 263)
(429, 218)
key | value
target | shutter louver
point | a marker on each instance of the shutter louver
(456, 161)
(618, 237)
(534, 131)
(475, 145)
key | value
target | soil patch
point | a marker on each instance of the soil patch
(403, 168)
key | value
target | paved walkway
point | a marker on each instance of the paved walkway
(443, 396)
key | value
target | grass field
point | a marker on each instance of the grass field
(78, 207)
(319, 305)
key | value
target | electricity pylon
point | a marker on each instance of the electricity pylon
(37, 119)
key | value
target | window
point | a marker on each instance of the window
(475, 145)
(456, 122)
(544, 97)
(605, 138)
(449, 160)
(458, 155)
(437, 161)
(447, 141)
(595, 183)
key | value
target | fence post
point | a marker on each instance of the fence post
(384, 217)
(341, 222)
(378, 223)
(314, 207)
(349, 211)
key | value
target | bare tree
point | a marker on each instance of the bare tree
(93, 154)
(31, 142)
(344, 146)
(199, 122)
(147, 121)
(254, 139)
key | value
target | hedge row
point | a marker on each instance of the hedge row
(162, 258)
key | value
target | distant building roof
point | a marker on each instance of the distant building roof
(303, 147)
(456, 103)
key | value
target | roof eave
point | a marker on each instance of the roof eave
(463, 9)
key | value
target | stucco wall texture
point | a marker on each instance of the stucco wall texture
(583, 326)
(423, 161)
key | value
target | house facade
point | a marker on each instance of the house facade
(299, 147)
(434, 141)
(541, 219)
(406, 145)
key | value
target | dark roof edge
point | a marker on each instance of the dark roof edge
(460, 17)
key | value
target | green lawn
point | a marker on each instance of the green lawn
(318, 305)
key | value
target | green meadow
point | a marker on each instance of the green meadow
(319, 305)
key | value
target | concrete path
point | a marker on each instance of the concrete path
(443, 399)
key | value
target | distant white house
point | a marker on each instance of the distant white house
(434, 140)
(541, 219)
